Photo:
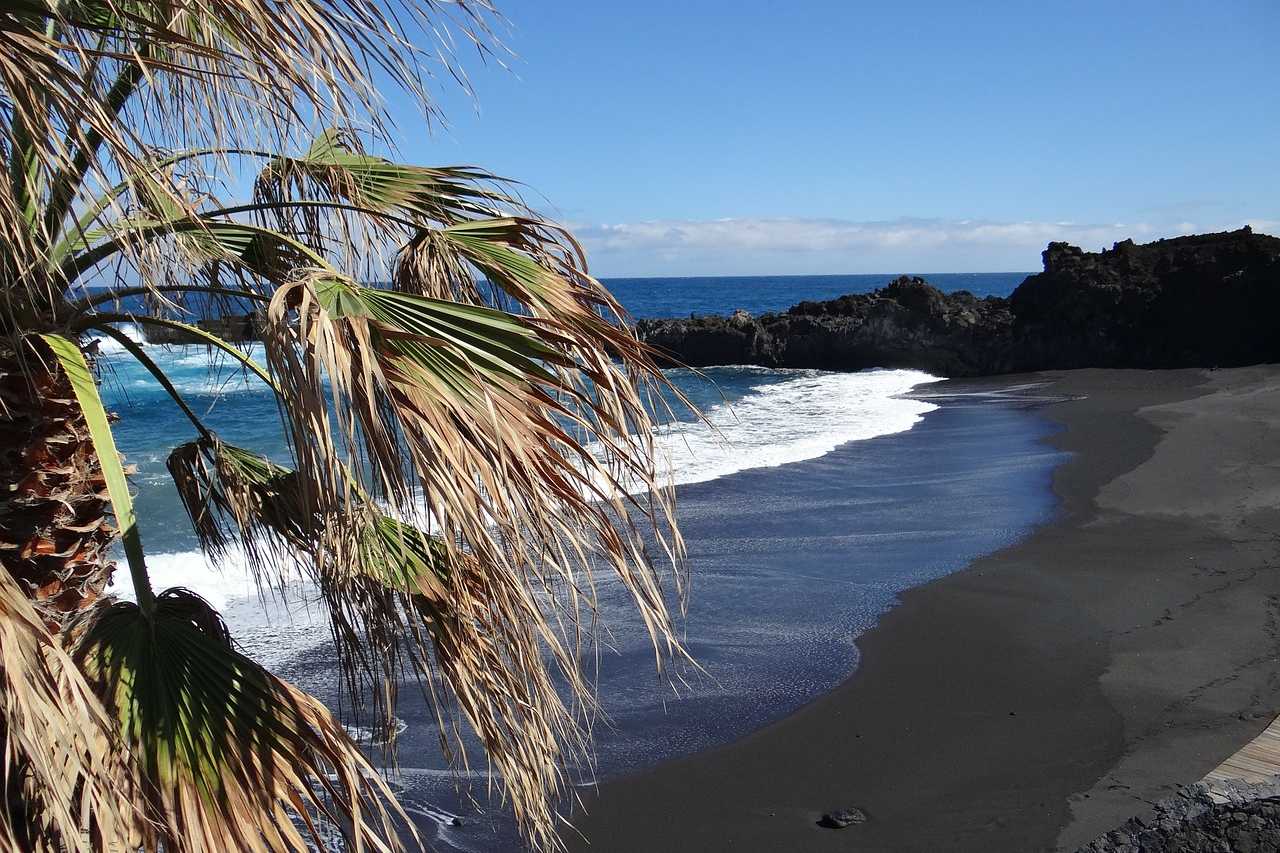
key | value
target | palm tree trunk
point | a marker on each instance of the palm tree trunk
(55, 537)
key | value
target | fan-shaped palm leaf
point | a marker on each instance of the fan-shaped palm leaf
(230, 757)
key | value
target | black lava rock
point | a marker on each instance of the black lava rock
(1235, 817)
(1209, 300)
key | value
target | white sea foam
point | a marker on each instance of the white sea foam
(802, 417)
(807, 414)
(794, 416)
(368, 737)
(190, 569)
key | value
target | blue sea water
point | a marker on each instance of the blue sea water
(808, 501)
(680, 297)
(646, 298)
(752, 408)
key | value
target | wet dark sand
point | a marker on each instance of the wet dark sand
(1039, 697)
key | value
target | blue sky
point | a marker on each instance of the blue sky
(707, 137)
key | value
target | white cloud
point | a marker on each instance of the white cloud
(739, 245)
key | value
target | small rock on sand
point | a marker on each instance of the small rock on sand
(840, 818)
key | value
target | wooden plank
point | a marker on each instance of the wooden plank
(1256, 761)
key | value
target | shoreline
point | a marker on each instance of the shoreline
(777, 601)
(1047, 692)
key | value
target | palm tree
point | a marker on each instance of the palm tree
(469, 438)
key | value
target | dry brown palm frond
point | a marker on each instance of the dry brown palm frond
(404, 601)
(62, 762)
(232, 495)
(236, 69)
(520, 446)
(366, 207)
(473, 634)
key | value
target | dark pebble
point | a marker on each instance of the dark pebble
(841, 818)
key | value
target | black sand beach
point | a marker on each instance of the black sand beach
(1039, 697)
(790, 563)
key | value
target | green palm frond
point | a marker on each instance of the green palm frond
(262, 251)
(334, 168)
(234, 496)
(69, 357)
(230, 756)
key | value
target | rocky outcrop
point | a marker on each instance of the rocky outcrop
(1205, 300)
(1200, 301)
(235, 328)
(906, 324)
(1235, 817)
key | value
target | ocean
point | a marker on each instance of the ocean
(808, 501)
(680, 297)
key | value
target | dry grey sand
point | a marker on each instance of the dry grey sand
(1049, 691)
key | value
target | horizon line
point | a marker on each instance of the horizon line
(821, 275)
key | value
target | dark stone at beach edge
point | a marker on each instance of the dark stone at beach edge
(1202, 818)
(842, 818)
(1199, 301)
